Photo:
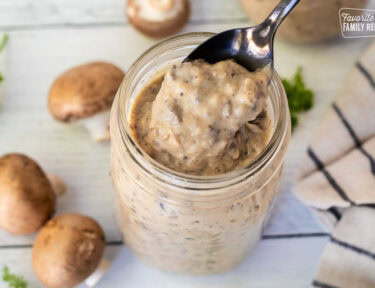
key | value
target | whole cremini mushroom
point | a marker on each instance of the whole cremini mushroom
(158, 18)
(84, 94)
(67, 250)
(27, 197)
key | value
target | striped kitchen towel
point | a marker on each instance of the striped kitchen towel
(338, 181)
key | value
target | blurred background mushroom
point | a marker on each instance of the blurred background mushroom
(84, 94)
(309, 22)
(158, 18)
(27, 196)
(67, 250)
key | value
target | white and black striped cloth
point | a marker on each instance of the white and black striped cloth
(338, 181)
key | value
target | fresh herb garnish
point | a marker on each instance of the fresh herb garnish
(13, 280)
(300, 98)
(3, 42)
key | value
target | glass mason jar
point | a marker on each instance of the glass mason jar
(311, 21)
(185, 223)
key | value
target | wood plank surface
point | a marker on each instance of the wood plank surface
(281, 263)
(50, 36)
(31, 14)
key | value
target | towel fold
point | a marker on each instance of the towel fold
(338, 181)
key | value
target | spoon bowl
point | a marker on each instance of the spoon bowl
(250, 47)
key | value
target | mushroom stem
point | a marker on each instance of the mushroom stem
(58, 184)
(95, 277)
(97, 125)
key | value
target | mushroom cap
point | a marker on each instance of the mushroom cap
(153, 26)
(84, 90)
(67, 250)
(27, 199)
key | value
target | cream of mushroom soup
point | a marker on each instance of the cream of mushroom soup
(203, 119)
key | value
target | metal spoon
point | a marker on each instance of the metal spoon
(250, 47)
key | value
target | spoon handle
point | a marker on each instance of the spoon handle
(279, 13)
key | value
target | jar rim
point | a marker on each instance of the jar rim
(189, 181)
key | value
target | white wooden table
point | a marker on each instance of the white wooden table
(49, 36)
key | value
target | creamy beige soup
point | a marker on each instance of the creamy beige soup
(203, 119)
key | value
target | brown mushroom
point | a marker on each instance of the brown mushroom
(310, 22)
(67, 250)
(27, 198)
(84, 94)
(158, 18)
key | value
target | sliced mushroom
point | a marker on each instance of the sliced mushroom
(84, 94)
(158, 18)
(27, 198)
(67, 250)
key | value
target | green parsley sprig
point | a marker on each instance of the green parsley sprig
(300, 98)
(14, 281)
(3, 43)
